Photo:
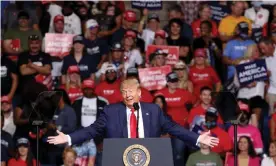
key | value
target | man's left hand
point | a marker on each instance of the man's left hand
(206, 139)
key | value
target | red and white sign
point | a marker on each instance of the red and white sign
(58, 44)
(172, 51)
(154, 78)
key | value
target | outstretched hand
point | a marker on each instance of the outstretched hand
(61, 138)
(206, 139)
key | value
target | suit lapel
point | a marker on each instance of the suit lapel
(123, 120)
(146, 120)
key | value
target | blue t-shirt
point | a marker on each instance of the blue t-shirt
(235, 49)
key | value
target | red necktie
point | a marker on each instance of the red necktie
(133, 124)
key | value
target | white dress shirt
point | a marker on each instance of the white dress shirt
(267, 162)
(141, 125)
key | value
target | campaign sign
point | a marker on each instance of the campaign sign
(58, 44)
(154, 78)
(151, 5)
(172, 51)
(252, 71)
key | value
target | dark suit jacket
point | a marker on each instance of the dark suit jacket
(112, 123)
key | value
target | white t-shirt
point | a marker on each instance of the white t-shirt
(53, 10)
(267, 162)
(148, 37)
(271, 63)
(133, 57)
(72, 24)
(88, 111)
(9, 124)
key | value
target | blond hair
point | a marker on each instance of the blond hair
(67, 83)
(67, 150)
(249, 51)
(130, 82)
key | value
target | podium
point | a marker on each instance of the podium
(137, 152)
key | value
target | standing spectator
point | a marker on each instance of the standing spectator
(229, 23)
(69, 156)
(219, 10)
(23, 154)
(181, 70)
(203, 107)
(235, 48)
(7, 110)
(190, 10)
(72, 23)
(246, 154)
(175, 12)
(110, 87)
(145, 94)
(204, 15)
(95, 47)
(129, 17)
(133, 57)
(161, 102)
(6, 144)
(79, 57)
(201, 74)
(158, 58)
(22, 33)
(73, 83)
(204, 157)
(269, 50)
(270, 161)
(273, 125)
(160, 38)
(9, 78)
(35, 65)
(88, 110)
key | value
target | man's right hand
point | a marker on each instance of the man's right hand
(61, 138)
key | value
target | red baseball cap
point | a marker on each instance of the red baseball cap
(59, 18)
(130, 16)
(73, 69)
(243, 107)
(88, 84)
(5, 99)
(160, 33)
(130, 33)
(200, 52)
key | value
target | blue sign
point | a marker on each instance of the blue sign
(252, 71)
(149, 4)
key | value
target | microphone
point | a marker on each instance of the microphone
(136, 107)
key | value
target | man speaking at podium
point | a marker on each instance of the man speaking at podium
(120, 121)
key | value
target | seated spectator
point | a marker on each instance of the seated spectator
(7, 111)
(269, 51)
(190, 10)
(158, 58)
(201, 74)
(204, 15)
(115, 57)
(95, 47)
(21, 33)
(273, 125)
(145, 94)
(201, 109)
(82, 10)
(23, 154)
(235, 48)
(72, 22)
(182, 72)
(160, 38)
(253, 89)
(78, 57)
(245, 129)
(129, 17)
(6, 144)
(246, 153)
(73, 83)
(152, 26)
(270, 161)
(204, 157)
(110, 87)
(69, 157)
(132, 55)
(9, 78)
(54, 9)
(175, 12)
(161, 102)
(229, 23)
(35, 65)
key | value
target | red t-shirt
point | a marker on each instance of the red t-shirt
(73, 92)
(176, 103)
(146, 96)
(225, 141)
(111, 92)
(196, 28)
(19, 162)
(200, 111)
(203, 77)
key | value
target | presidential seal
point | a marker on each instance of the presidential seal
(136, 155)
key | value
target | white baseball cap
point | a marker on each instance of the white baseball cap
(90, 24)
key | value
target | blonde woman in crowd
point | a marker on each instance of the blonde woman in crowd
(69, 157)
(182, 72)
